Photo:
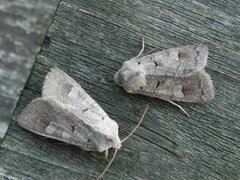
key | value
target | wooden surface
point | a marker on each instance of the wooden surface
(90, 40)
(23, 25)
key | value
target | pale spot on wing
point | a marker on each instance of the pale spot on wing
(74, 92)
(173, 55)
(178, 91)
(159, 57)
(66, 135)
(51, 128)
(165, 91)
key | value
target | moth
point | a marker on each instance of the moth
(175, 74)
(67, 113)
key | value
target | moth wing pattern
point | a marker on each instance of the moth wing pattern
(66, 90)
(195, 88)
(175, 74)
(181, 61)
(45, 117)
(61, 87)
(72, 112)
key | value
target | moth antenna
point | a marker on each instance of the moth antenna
(180, 107)
(115, 152)
(109, 164)
(130, 134)
(143, 45)
(152, 50)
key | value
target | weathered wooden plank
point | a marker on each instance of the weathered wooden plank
(91, 39)
(30, 164)
(23, 25)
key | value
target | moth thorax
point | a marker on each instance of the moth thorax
(132, 81)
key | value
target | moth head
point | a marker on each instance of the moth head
(116, 143)
(105, 135)
(103, 143)
(131, 77)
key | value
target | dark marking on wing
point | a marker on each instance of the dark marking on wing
(158, 83)
(183, 55)
(66, 87)
(187, 90)
(73, 128)
(84, 110)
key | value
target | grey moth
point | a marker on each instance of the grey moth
(175, 74)
(67, 113)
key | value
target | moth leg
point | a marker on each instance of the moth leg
(99, 156)
(180, 107)
(106, 154)
(143, 45)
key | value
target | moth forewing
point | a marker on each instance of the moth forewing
(181, 61)
(66, 90)
(46, 117)
(195, 88)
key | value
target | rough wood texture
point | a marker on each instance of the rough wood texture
(90, 40)
(23, 25)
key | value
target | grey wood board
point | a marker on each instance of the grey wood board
(23, 25)
(90, 40)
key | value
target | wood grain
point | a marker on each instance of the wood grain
(90, 40)
(23, 25)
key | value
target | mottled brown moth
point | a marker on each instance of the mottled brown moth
(66, 112)
(175, 74)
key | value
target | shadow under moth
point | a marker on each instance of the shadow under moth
(67, 113)
(175, 74)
